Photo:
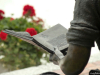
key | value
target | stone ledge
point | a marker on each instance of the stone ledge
(33, 70)
(45, 68)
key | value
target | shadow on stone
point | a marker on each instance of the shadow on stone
(94, 72)
(49, 73)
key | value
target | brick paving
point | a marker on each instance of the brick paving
(89, 66)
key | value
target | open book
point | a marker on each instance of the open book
(52, 40)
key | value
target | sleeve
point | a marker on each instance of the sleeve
(84, 28)
(98, 39)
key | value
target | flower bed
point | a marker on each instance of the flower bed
(20, 54)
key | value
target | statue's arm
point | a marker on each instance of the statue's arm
(75, 60)
(84, 30)
(85, 26)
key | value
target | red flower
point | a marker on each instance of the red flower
(11, 19)
(26, 7)
(3, 36)
(31, 31)
(24, 12)
(29, 10)
(1, 17)
(39, 20)
(1, 12)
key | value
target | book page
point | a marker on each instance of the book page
(55, 36)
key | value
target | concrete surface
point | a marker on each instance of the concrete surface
(48, 67)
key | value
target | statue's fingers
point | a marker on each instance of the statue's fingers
(53, 58)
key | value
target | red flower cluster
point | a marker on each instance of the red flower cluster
(3, 36)
(31, 31)
(39, 21)
(1, 14)
(11, 19)
(29, 10)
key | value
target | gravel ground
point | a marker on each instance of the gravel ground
(45, 68)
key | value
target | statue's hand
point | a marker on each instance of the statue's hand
(54, 58)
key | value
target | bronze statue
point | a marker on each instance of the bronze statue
(84, 31)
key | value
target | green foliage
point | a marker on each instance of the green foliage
(19, 54)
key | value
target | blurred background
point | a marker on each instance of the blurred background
(51, 12)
